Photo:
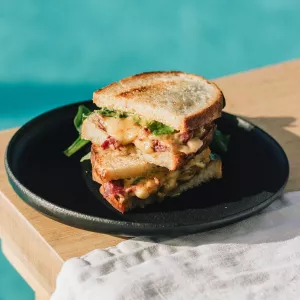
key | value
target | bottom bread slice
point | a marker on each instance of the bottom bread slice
(125, 195)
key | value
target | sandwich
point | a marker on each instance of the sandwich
(128, 181)
(166, 115)
(151, 135)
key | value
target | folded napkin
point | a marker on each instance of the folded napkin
(258, 258)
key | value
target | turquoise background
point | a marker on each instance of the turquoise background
(53, 53)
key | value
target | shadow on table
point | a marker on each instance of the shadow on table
(279, 128)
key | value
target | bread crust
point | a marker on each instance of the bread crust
(113, 201)
(205, 116)
(128, 95)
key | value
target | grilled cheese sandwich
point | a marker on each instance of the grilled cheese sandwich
(126, 190)
(150, 136)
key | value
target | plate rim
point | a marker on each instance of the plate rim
(70, 217)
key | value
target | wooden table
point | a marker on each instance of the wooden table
(37, 246)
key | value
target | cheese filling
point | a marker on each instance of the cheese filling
(127, 131)
(163, 182)
(192, 146)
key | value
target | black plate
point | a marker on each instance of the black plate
(255, 173)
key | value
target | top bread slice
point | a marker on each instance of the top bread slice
(180, 100)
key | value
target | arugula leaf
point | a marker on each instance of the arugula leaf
(220, 142)
(82, 113)
(86, 157)
(106, 112)
(137, 119)
(213, 156)
(158, 128)
(122, 115)
(77, 145)
(111, 113)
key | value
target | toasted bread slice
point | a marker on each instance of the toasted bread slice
(180, 100)
(123, 163)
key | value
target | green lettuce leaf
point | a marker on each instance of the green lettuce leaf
(158, 128)
(155, 127)
(214, 156)
(111, 113)
(86, 157)
(77, 145)
(220, 143)
(137, 120)
(82, 113)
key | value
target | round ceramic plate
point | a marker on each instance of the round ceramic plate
(255, 171)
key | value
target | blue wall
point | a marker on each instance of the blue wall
(53, 53)
(57, 53)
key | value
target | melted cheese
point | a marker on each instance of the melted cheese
(168, 181)
(122, 129)
(144, 145)
(192, 146)
(146, 188)
(127, 131)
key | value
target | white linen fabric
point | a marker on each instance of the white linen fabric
(258, 258)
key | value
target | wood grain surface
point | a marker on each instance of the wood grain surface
(37, 245)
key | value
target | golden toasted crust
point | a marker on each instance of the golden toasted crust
(134, 92)
(208, 137)
(206, 115)
(96, 177)
(181, 100)
(128, 203)
(114, 201)
(143, 75)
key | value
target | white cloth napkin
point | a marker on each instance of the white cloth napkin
(258, 258)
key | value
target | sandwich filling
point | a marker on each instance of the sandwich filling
(124, 194)
(151, 136)
(148, 136)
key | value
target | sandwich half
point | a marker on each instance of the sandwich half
(128, 181)
(151, 137)
(167, 116)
